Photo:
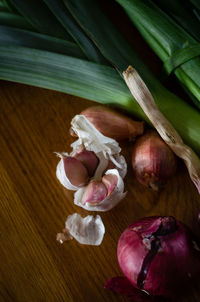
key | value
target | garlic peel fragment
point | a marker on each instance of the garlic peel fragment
(109, 202)
(89, 230)
(144, 98)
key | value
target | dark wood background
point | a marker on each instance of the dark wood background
(34, 123)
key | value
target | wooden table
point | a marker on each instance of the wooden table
(34, 267)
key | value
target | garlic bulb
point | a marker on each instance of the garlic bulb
(92, 152)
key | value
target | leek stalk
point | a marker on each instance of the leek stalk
(166, 38)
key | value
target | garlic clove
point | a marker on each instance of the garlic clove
(110, 181)
(89, 160)
(89, 230)
(153, 161)
(113, 124)
(75, 171)
(94, 193)
(109, 202)
(71, 173)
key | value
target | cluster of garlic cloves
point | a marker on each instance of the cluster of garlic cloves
(94, 169)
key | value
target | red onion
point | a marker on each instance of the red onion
(157, 255)
(198, 217)
(153, 161)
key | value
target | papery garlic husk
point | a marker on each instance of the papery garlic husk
(113, 124)
(71, 173)
(109, 202)
(89, 230)
(89, 160)
(105, 148)
(153, 161)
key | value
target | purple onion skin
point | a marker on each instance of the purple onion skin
(122, 286)
(158, 255)
(198, 217)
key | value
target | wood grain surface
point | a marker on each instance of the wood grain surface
(34, 123)
(34, 267)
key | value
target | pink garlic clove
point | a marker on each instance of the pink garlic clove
(75, 171)
(113, 124)
(94, 193)
(110, 181)
(153, 161)
(89, 160)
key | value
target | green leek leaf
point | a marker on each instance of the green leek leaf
(14, 36)
(38, 14)
(3, 7)
(64, 17)
(165, 37)
(196, 3)
(9, 6)
(183, 13)
(11, 19)
(109, 41)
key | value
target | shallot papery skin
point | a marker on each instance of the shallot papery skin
(153, 161)
(113, 124)
(159, 255)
